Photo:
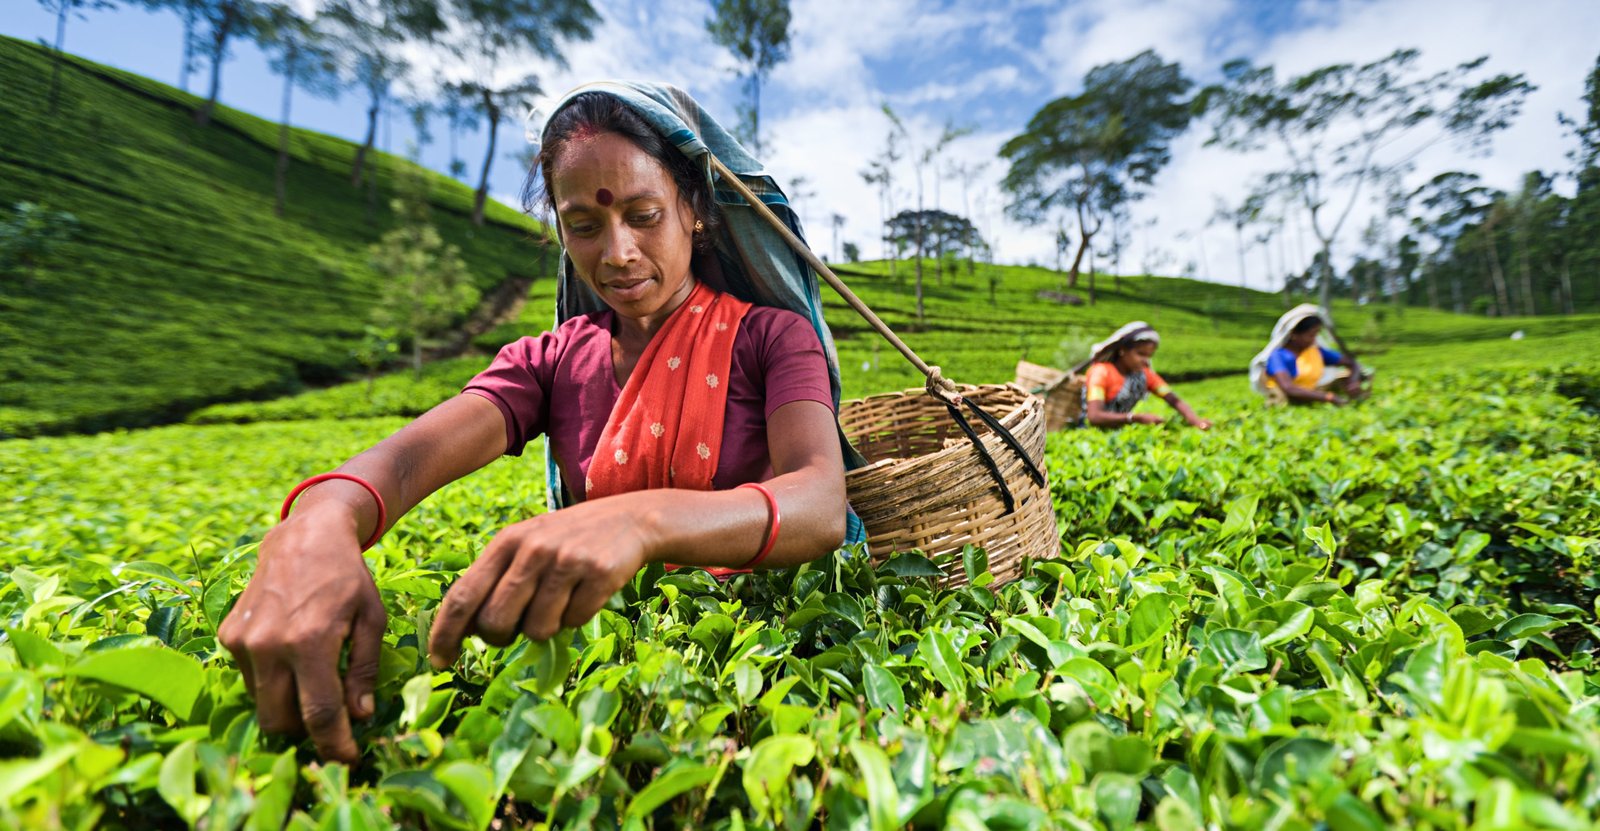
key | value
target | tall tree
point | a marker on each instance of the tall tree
(920, 162)
(222, 23)
(1583, 215)
(1449, 203)
(1344, 128)
(1240, 217)
(494, 34)
(63, 10)
(1091, 152)
(458, 116)
(372, 33)
(426, 283)
(966, 174)
(949, 233)
(921, 158)
(303, 54)
(880, 172)
(189, 12)
(757, 33)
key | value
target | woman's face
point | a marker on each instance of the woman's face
(627, 228)
(1136, 357)
(1301, 341)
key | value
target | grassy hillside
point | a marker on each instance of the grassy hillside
(181, 287)
(1208, 331)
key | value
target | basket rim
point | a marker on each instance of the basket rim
(1012, 419)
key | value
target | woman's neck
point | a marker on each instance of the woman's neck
(635, 332)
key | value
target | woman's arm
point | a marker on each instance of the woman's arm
(1186, 411)
(311, 591)
(558, 569)
(1295, 392)
(1100, 415)
(1352, 385)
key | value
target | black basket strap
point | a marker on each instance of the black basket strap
(983, 454)
(1011, 441)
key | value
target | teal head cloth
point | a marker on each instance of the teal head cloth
(756, 264)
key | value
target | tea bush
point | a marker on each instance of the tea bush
(1350, 619)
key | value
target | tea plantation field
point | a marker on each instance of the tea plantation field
(1372, 617)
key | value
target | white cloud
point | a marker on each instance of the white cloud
(847, 57)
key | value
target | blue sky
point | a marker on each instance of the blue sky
(987, 66)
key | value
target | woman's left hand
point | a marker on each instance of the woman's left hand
(1201, 423)
(539, 575)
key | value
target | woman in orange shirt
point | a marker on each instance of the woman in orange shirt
(1120, 377)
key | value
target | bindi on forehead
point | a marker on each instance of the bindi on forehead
(603, 196)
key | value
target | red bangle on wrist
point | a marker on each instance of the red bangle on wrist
(383, 512)
(775, 520)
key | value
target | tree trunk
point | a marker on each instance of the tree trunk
(372, 135)
(1567, 305)
(219, 47)
(1077, 260)
(416, 356)
(1498, 277)
(1091, 277)
(280, 175)
(188, 47)
(919, 245)
(493, 112)
(55, 71)
(1529, 306)
(1433, 286)
(1325, 290)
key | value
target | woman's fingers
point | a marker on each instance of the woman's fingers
(366, 650)
(498, 619)
(277, 704)
(322, 710)
(588, 598)
(462, 601)
(543, 618)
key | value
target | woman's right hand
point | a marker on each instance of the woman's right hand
(1147, 418)
(311, 592)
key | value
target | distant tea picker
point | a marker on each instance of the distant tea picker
(1120, 376)
(1295, 368)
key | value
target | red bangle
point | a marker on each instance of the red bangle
(775, 521)
(383, 512)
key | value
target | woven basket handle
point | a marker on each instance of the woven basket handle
(939, 386)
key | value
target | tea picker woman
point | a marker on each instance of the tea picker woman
(1120, 376)
(1295, 368)
(689, 418)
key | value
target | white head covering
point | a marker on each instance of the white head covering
(1133, 332)
(1280, 335)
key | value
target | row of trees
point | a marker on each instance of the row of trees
(361, 45)
(1343, 136)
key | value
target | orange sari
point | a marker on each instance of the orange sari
(666, 430)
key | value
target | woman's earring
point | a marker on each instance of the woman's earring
(699, 226)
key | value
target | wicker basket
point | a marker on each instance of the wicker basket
(926, 487)
(1062, 395)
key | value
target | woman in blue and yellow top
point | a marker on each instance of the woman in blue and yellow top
(1120, 377)
(1296, 368)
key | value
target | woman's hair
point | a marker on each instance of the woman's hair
(1306, 325)
(589, 114)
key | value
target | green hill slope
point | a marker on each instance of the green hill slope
(1208, 331)
(181, 287)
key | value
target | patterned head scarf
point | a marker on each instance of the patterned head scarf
(1128, 335)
